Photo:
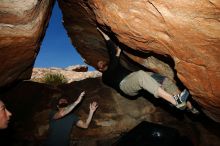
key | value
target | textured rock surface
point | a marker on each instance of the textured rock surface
(188, 32)
(77, 68)
(22, 27)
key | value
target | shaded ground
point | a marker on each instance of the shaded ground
(30, 103)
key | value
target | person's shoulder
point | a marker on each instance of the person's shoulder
(74, 117)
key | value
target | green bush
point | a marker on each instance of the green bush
(54, 79)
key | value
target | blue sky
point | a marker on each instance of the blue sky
(56, 49)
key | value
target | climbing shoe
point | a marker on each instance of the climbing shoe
(181, 99)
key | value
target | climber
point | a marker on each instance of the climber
(130, 83)
(62, 119)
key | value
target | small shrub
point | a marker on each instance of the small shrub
(54, 79)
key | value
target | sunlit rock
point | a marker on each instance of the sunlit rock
(188, 32)
(38, 74)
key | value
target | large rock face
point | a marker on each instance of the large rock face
(22, 27)
(187, 34)
(186, 31)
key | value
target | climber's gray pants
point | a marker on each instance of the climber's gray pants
(138, 80)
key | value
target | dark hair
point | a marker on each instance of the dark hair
(62, 105)
(55, 100)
